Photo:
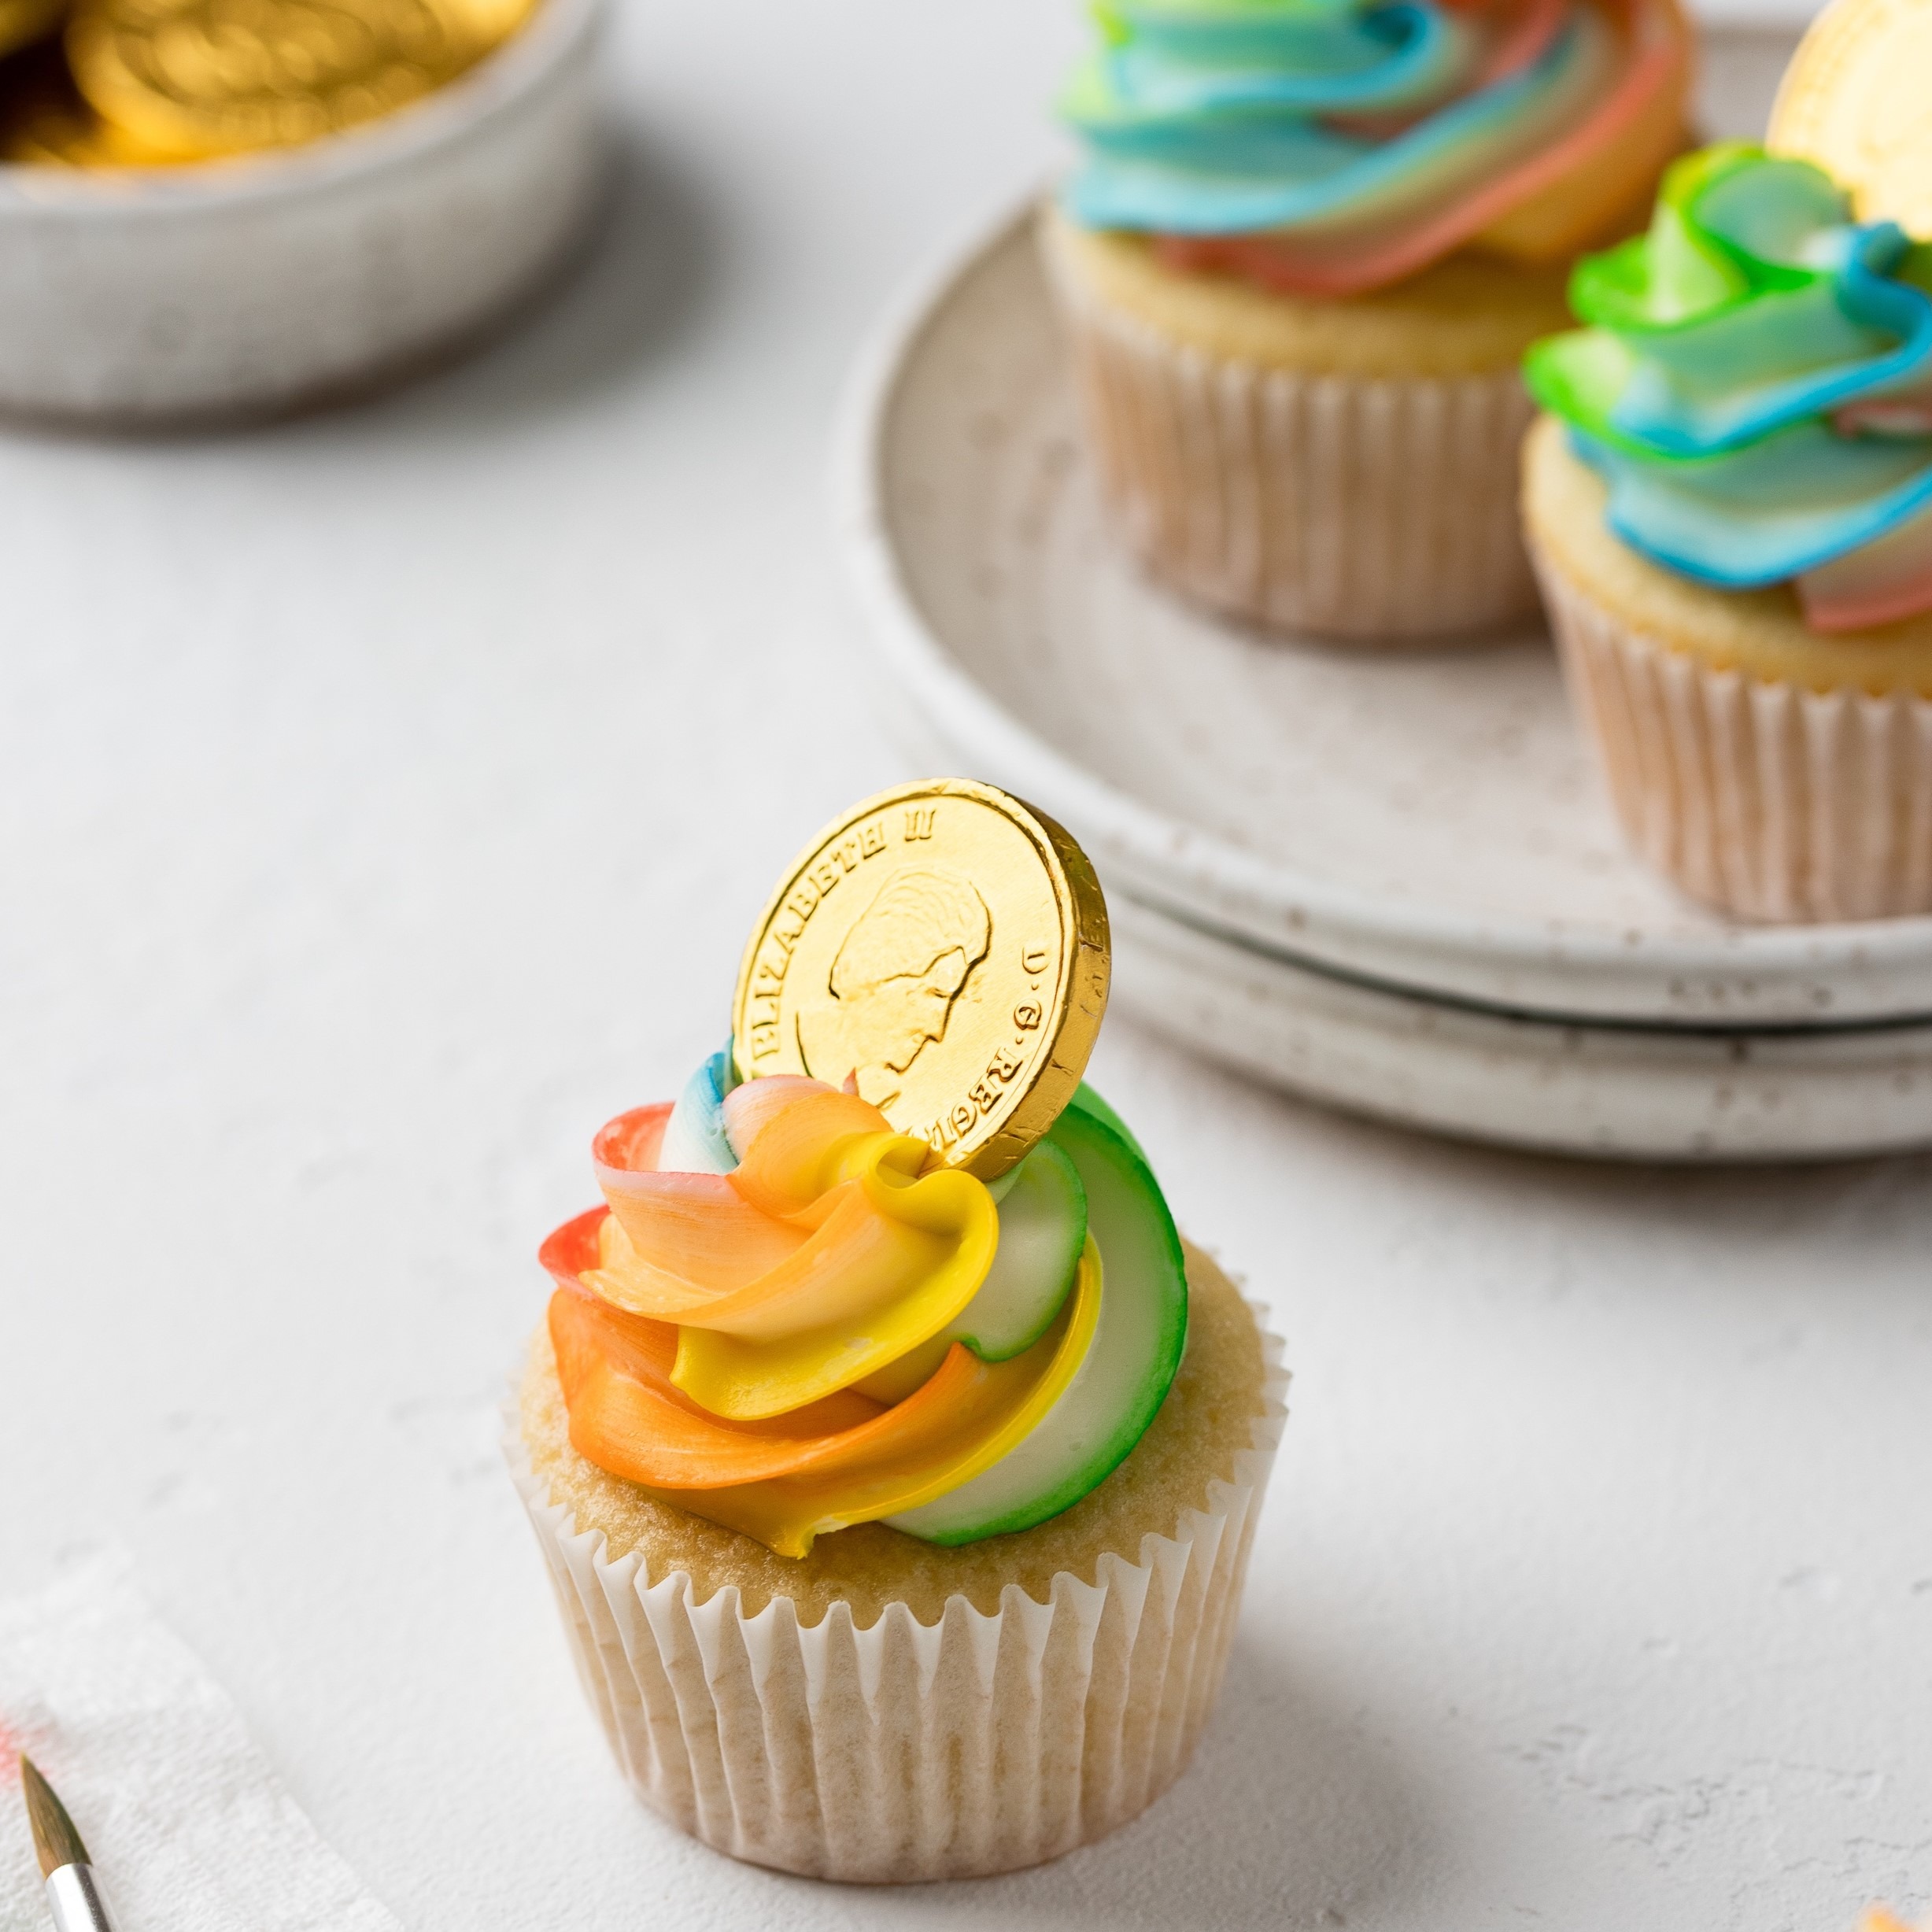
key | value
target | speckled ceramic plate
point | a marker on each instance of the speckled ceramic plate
(1427, 820)
(1606, 1090)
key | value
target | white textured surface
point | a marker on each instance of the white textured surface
(382, 803)
(198, 1833)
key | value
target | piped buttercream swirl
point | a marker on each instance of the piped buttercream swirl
(1755, 386)
(784, 1320)
(1325, 147)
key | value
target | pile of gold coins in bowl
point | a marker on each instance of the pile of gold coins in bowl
(162, 83)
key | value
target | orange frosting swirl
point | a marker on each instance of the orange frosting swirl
(774, 1347)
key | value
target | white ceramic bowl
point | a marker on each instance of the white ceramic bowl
(283, 280)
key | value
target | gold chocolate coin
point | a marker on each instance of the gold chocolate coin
(44, 122)
(1857, 101)
(201, 78)
(492, 21)
(24, 22)
(945, 947)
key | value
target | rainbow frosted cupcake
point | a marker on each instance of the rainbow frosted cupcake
(1300, 262)
(1730, 502)
(899, 1515)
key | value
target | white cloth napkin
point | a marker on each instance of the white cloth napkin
(189, 1829)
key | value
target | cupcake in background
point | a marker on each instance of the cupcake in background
(1301, 259)
(1729, 503)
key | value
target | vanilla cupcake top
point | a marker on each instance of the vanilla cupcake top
(1326, 147)
(1755, 386)
(790, 1314)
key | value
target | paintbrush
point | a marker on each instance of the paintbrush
(76, 1904)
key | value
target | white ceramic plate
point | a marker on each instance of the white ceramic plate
(1603, 1090)
(145, 297)
(1425, 819)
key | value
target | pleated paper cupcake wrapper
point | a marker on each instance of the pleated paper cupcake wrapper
(1382, 509)
(906, 1751)
(1766, 800)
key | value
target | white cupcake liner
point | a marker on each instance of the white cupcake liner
(1378, 508)
(1766, 800)
(905, 1751)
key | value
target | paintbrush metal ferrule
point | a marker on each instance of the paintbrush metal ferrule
(71, 1894)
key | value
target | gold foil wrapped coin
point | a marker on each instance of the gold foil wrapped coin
(944, 947)
(202, 78)
(23, 22)
(1856, 99)
(44, 122)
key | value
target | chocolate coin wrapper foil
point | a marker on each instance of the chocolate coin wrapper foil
(905, 1751)
(1766, 800)
(1377, 508)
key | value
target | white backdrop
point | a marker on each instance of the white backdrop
(385, 800)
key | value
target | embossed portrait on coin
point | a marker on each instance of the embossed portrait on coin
(894, 980)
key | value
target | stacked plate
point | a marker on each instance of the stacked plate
(1387, 881)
